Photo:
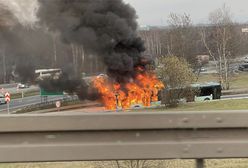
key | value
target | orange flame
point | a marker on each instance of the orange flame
(142, 90)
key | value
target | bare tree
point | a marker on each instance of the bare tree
(181, 39)
(220, 43)
(78, 58)
(152, 39)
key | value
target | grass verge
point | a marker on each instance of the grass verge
(238, 81)
(26, 94)
(231, 104)
(217, 163)
(49, 105)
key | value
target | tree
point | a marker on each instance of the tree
(222, 45)
(181, 38)
(175, 72)
(152, 40)
(177, 75)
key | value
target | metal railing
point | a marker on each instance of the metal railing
(48, 104)
(124, 136)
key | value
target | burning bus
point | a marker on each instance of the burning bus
(142, 90)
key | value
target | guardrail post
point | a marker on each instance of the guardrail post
(200, 163)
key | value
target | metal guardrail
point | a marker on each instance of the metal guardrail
(121, 136)
(48, 104)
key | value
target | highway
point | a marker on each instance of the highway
(27, 101)
(16, 104)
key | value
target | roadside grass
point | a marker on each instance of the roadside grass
(208, 78)
(234, 104)
(216, 163)
(26, 94)
(238, 81)
(48, 165)
(47, 106)
(231, 104)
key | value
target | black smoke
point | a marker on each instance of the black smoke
(18, 49)
(25, 50)
(106, 28)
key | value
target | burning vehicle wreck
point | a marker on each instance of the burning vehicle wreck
(140, 90)
(109, 30)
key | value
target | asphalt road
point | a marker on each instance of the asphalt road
(237, 96)
(13, 90)
(27, 101)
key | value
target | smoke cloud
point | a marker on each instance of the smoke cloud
(23, 10)
(106, 28)
(20, 51)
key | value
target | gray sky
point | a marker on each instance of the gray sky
(155, 12)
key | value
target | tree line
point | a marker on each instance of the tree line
(22, 50)
(221, 39)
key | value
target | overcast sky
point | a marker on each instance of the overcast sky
(155, 12)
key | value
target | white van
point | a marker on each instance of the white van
(2, 99)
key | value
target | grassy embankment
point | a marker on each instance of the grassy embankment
(231, 104)
(238, 104)
(26, 94)
(226, 163)
(239, 81)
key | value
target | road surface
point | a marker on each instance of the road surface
(236, 96)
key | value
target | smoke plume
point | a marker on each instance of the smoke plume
(23, 10)
(106, 28)
(23, 46)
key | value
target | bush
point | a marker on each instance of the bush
(172, 97)
(177, 75)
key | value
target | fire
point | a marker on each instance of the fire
(142, 90)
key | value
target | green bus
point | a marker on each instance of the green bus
(207, 91)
